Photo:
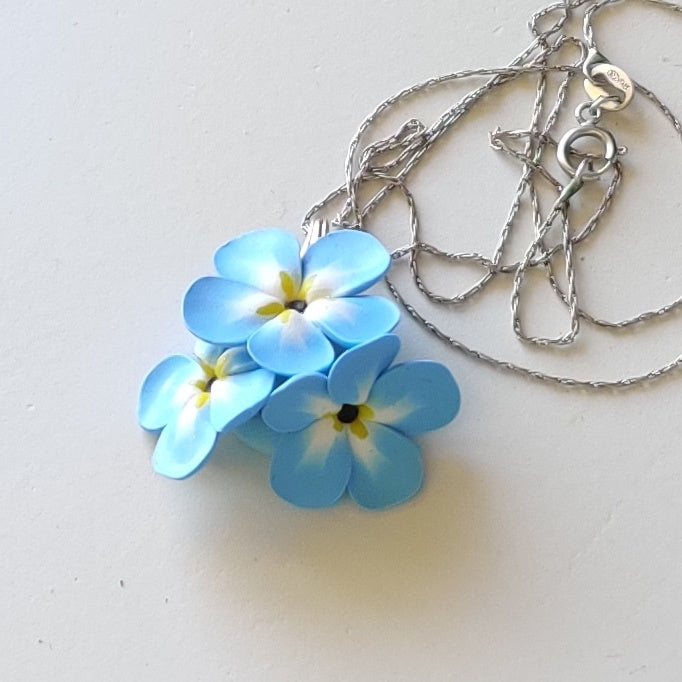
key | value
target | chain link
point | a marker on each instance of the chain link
(405, 149)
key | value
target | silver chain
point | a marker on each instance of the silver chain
(608, 88)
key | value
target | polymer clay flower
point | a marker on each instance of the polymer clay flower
(289, 309)
(353, 430)
(192, 399)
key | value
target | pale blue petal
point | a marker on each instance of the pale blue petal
(208, 353)
(257, 259)
(298, 403)
(223, 312)
(257, 435)
(311, 468)
(185, 443)
(387, 468)
(236, 398)
(415, 397)
(355, 319)
(290, 345)
(236, 360)
(352, 376)
(344, 263)
(165, 390)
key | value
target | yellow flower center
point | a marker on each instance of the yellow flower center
(354, 417)
(202, 399)
(293, 298)
(220, 371)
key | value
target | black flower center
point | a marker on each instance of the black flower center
(348, 414)
(209, 383)
(297, 305)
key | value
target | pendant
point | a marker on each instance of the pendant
(294, 357)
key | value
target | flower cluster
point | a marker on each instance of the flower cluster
(294, 358)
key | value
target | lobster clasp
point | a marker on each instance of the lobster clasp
(606, 82)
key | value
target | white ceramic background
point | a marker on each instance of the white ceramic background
(136, 137)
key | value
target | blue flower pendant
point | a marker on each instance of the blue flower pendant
(294, 358)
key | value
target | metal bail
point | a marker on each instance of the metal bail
(316, 230)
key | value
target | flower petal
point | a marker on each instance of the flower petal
(186, 442)
(343, 263)
(236, 398)
(299, 402)
(311, 468)
(352, 376)
(234, 361)
(353, 320)
(257, 435)
(223, 312)
(387, 468)
(207, 353)
(290, 345)
(166, 389)
(258, 258)
(415, 397)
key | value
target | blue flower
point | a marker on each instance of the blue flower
(353, 429)
(192, 399)
(289, 309)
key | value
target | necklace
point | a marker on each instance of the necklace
(297, 359)
(609, 89)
